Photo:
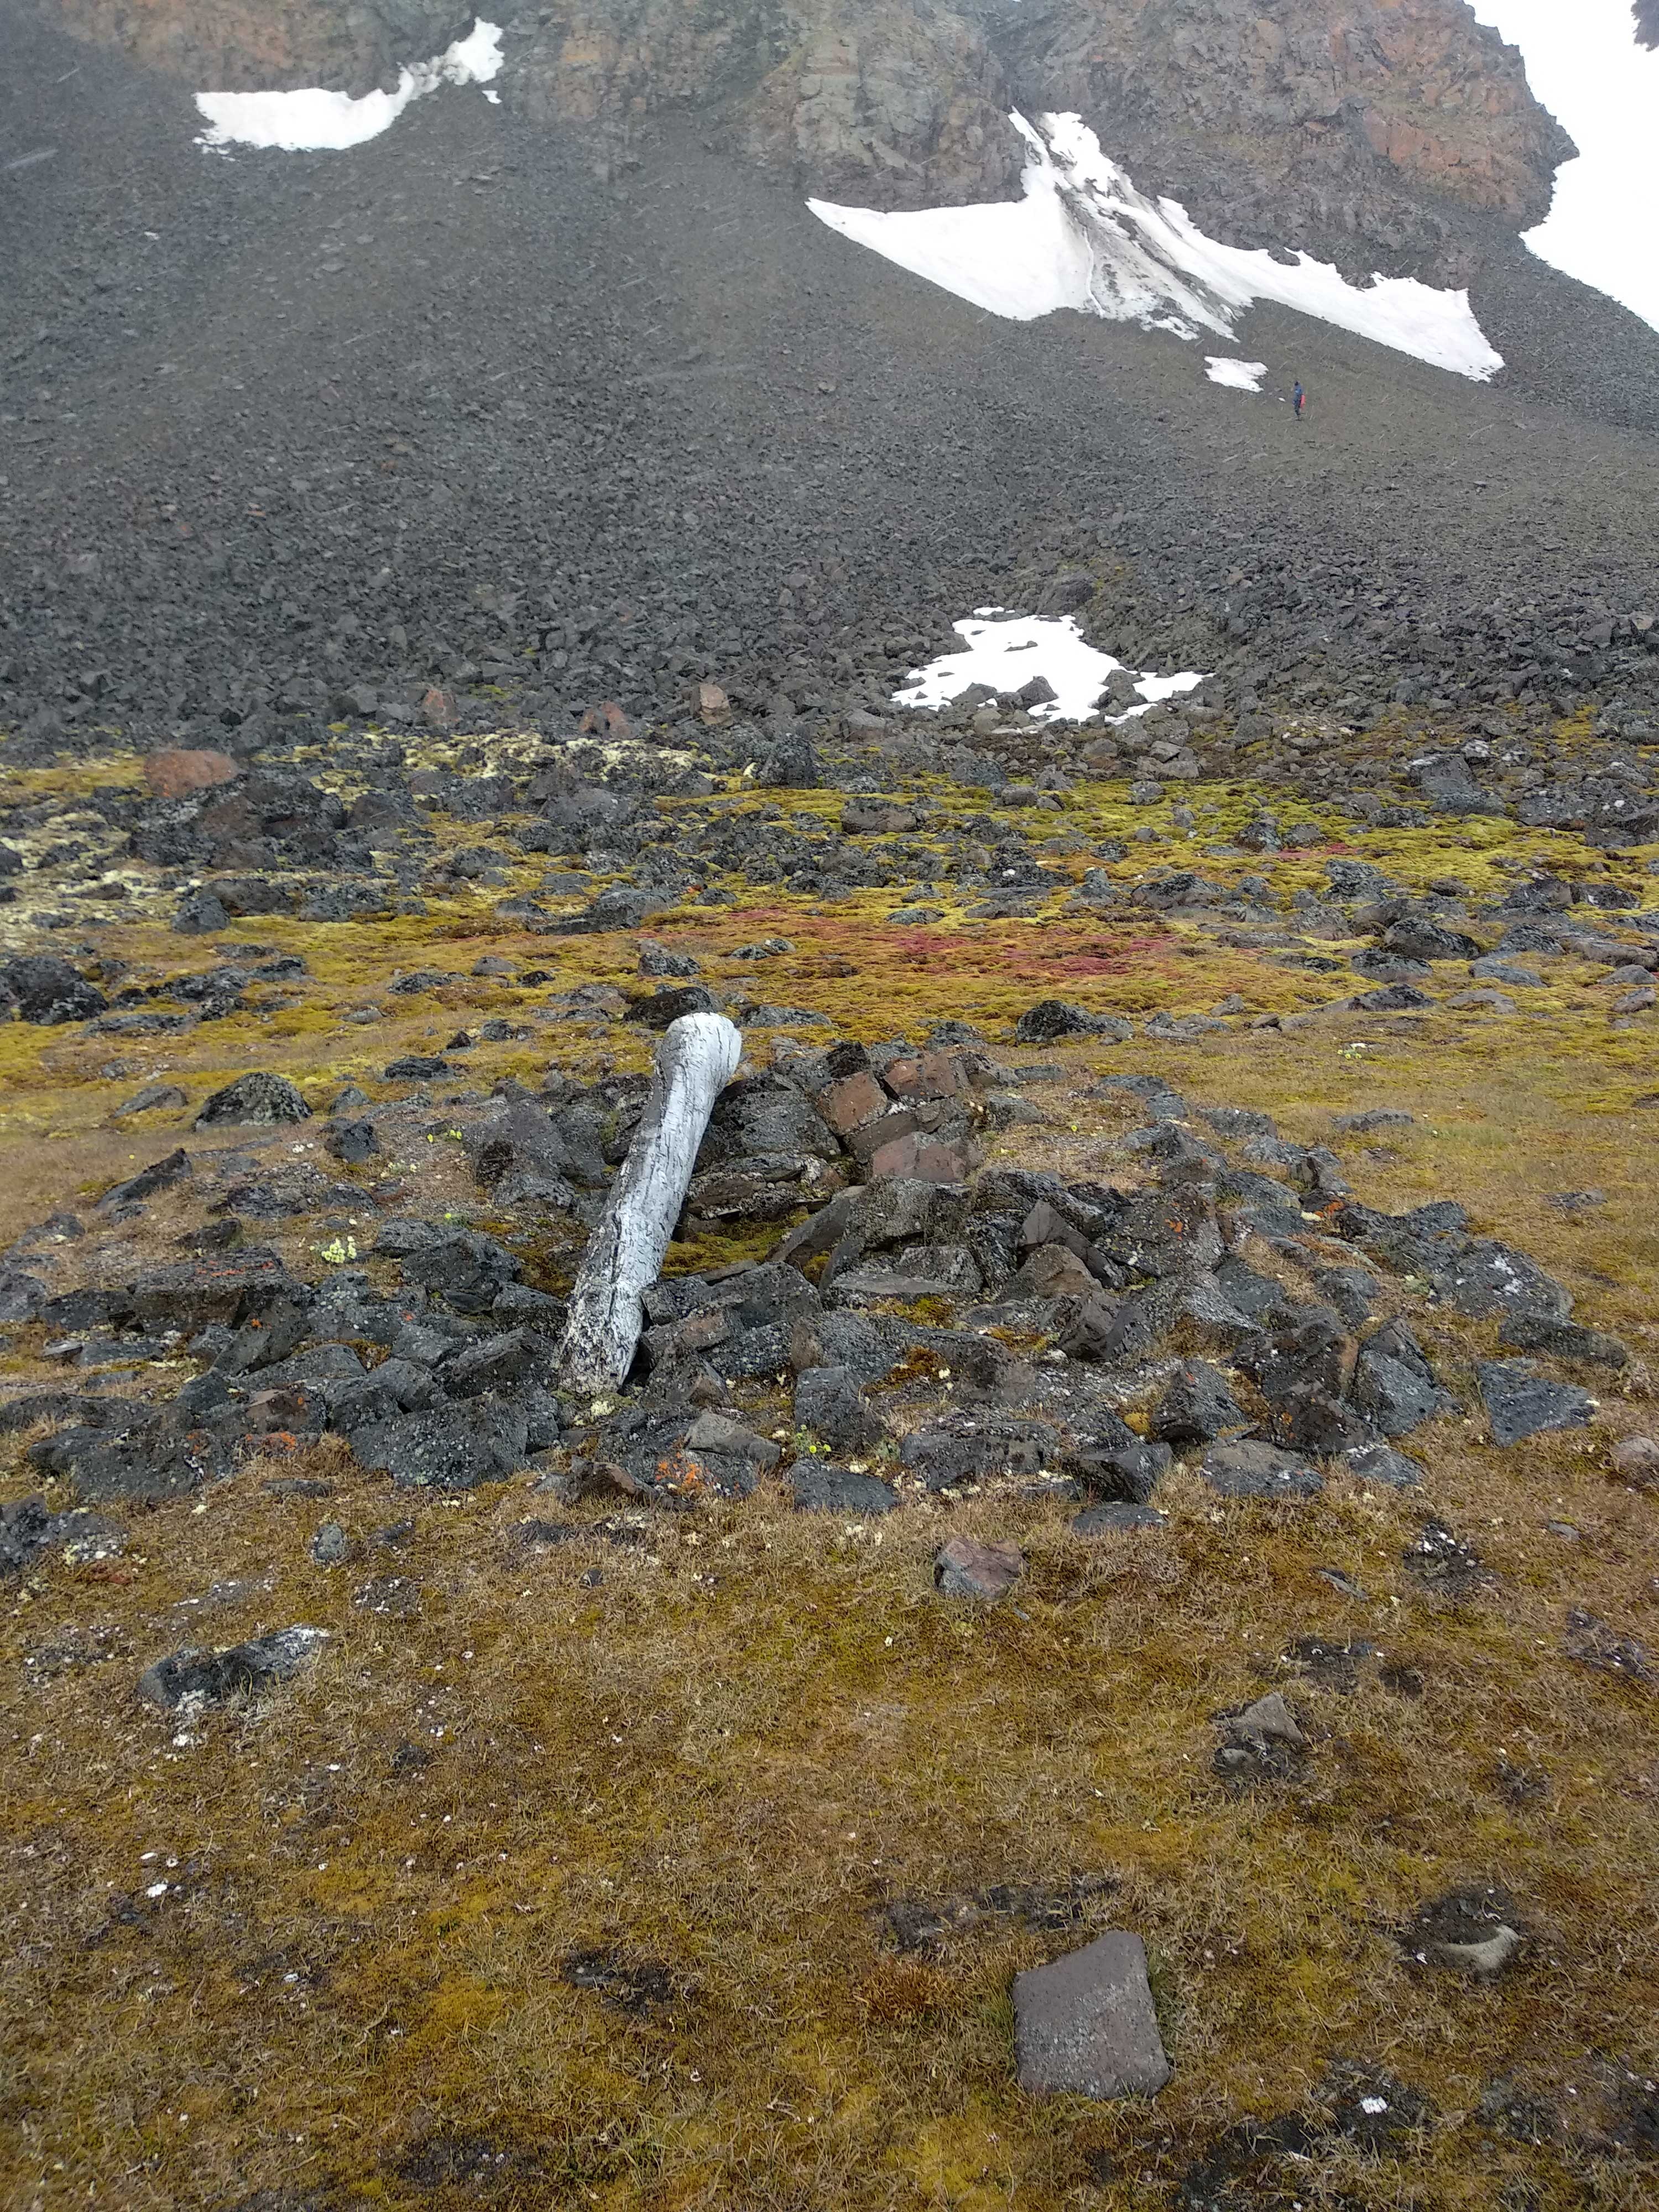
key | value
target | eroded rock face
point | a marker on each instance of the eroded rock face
(900, 102)
(259, 45)
(903, 105)
(1369, 131)
(1341, 127)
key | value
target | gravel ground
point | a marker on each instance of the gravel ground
(283, 424)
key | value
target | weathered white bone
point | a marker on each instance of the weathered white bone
(697, 1058)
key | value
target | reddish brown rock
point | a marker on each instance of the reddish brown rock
(924, 1159)
(964, 1568)
(933, 1075)
(853, 1101)
(1337, 116)
(1053, 1271)
(175, 773)
(606, 722)
(944, 1075)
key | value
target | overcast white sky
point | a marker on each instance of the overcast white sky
(1583, 63)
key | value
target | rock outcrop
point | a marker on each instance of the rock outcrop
(904, 104)
(1364, 132)
(257, 46)
(1382, 135)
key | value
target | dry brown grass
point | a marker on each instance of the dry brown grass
(728, 1754)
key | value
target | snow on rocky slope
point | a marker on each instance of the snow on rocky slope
(1083, 237)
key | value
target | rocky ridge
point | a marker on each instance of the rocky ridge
(1364, 135)
(1355, 130)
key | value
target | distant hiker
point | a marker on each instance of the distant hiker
(1298, 400)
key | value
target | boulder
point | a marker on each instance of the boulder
(213, 1677)
(820, 1487)
(258, 1099)
(1052, 1019)
(1085, 2025)
(1520, 1402)
(830, 1403)
(1250, 1469)
(175, 773)
(1197, 1406)
(965, 1568)
(43, 988)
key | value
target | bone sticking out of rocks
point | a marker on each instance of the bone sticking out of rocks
(697, 1058)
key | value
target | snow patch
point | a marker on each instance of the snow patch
(313, 120)
(1584, 64)
(1083, 237)
(1236, 375)
(1005, 652)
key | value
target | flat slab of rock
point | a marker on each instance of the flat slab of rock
(174, 773)
(1116, 1517)
(1250, 1469)
(213, 1677)
(1085, 2024)
(1380, 1463)
(963, 1568)
(1520, 1402)
(819, 1486)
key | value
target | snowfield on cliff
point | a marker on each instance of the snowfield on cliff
(312, 120)
(1084, 237)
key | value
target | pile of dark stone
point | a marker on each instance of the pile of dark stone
(923, 1323)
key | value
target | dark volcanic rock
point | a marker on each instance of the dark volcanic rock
(45, 989)
(1248, 1469)
(260, 1099)
(213, 1677)
(1051, 1019)
(819, 1486)
(451, 1448)
(1521, 1402)
(1197, 1406)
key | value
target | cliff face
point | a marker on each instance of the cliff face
(1380, 133)
(253, 45)
(903, 104)
(1357, 129)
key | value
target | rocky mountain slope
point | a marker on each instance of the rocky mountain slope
(454, 406)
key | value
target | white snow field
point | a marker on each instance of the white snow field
(1584, 65)
(316, 121)
(1083, 237)
(1236, 375)
(1005, 651)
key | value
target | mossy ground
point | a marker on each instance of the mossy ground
(723, 1740)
